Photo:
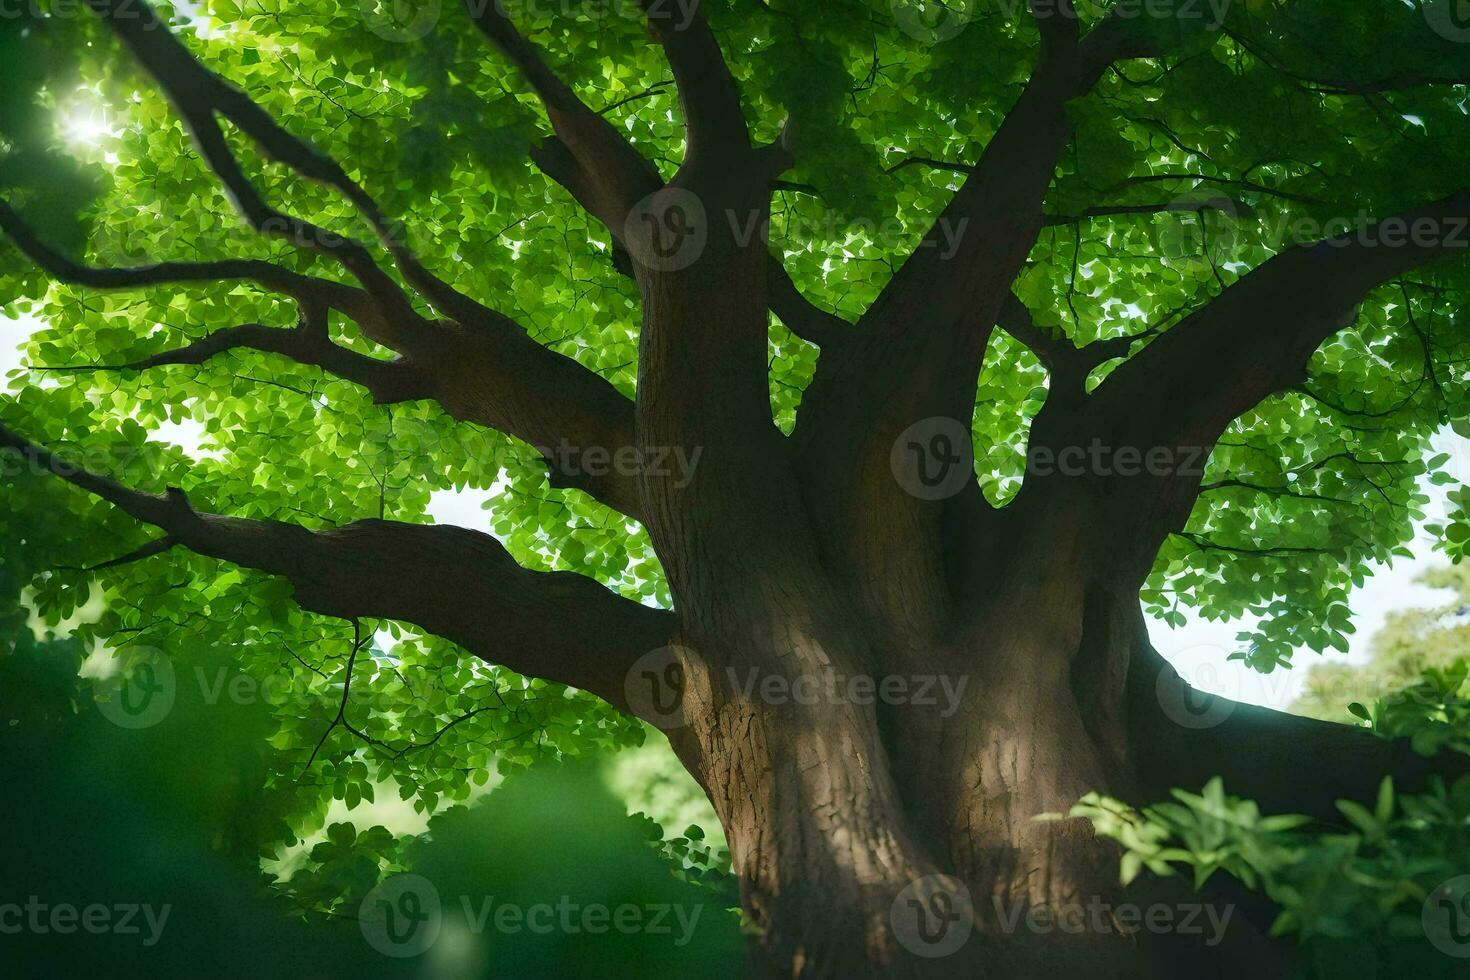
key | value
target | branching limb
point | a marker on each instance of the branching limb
(1261, 754)
(588, 157)
(1068, 363)
(712, 113)
(388, 381)
(919, 348)
(493, 374)
(461, 585)
(1254, 340)
(155, 547)
(198, 95)
(350, 300)
(801, 316)
(1223, 204)
(482, 367)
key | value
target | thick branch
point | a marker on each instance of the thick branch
(483, 367)
(589, 156)
(917, 352)
(712, 114)
(1286, 763)
(198, 94)
(1252, 341)
(389, 381)
(348, 299)
(458, 584)
(1224, 204)
(801, 316)
(493, 374)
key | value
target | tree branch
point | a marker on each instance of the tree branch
(198, 94)
(712, 115)
(348, 299)
(482, 367)
(1260, 753)
(1225, 204)
(458, 584)
(588, 157)
(1252, 341)
(801, 316)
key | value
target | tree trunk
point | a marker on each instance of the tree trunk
(891, 830)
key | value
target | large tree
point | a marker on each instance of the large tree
(888, 354)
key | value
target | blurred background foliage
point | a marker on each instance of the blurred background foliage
(177, 814)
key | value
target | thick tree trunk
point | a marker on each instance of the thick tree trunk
(896, 835)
